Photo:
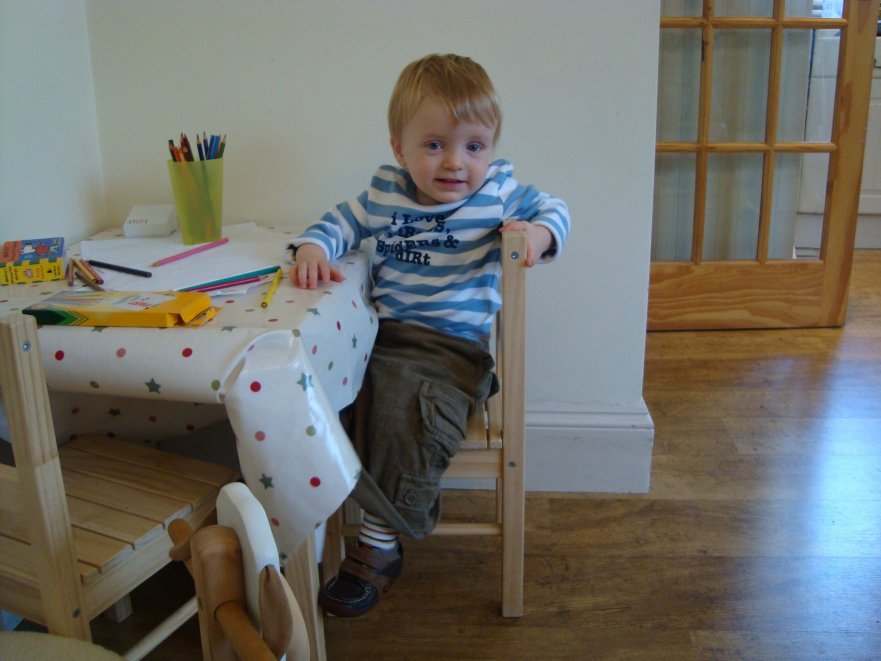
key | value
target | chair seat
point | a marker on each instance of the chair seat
(120, 497)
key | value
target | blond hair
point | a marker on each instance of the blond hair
(458, 82)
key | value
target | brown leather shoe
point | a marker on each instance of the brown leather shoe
(365, 575)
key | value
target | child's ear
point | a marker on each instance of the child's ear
(396, 150)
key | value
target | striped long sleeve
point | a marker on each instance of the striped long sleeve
(437, 266)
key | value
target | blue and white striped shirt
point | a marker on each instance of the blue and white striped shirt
(437, 266)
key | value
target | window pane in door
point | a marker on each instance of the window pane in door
(763, 8)
(681, 7)
(731, 226)
(741, 61)
(678, 85)
(786, 223)
(814, 8)
(673, 217)
(795, 72)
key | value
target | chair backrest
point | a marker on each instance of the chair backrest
(246, 609)
(32, 493)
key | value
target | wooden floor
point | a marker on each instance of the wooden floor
(760, 537)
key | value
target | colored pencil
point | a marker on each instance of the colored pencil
(271, 291)
(121, 269)
(226, 285)
(192, 251)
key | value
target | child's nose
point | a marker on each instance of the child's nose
(453, 160)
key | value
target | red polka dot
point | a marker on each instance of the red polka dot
(345, 380)
(260, 436)
(365, 357)
(59, 355)
(354, 305)
(339, 326)
(186, 353)
(275, 522)
(272, 320)
(315, 482)
(255, 386)
(314, 349)
(120, 352)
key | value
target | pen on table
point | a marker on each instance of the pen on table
(271, 291)
(199, 147)
(69, 272)
(222, 147)
(121, 269)
(192, 251)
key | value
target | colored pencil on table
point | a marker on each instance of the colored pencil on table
(228, 284)
(192, 251)
(95, 276)
(121, 269)
(271, 291)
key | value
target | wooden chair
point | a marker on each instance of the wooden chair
(82, 525)
(246, 609)
(494, 447)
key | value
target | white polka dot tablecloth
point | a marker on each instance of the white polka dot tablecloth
(279, 373)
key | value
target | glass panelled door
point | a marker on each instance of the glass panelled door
(762, 108)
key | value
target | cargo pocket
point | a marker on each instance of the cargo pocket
(444, 415)
(444, 410)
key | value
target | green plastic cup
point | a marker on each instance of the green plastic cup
(198, 198)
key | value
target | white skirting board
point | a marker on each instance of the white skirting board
(584, 451)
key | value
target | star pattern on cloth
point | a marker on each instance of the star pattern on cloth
(305, 381)
(266, 481)
(227, 328)
(354, 341)
(152, 386)
(314, 311)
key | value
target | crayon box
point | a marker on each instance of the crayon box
(31, 260)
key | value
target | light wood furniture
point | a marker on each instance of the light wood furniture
(83, 525)
(246, 609)
(494, 447)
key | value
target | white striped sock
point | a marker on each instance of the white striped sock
(377, 532)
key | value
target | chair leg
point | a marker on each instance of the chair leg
(334, 546)
(513, 533)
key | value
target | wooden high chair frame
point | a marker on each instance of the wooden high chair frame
(82, 525)
(494, 446)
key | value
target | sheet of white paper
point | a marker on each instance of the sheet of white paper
(250, 248)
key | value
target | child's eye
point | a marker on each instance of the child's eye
(474, 147)
(434, 145)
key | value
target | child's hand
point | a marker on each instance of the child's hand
(538, 238)
(312, 267)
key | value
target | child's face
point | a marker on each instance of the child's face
(447, 160)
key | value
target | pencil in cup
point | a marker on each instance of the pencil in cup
(198, 198)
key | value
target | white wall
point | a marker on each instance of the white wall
(50, 172)
(301, 89)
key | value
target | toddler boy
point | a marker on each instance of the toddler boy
(436, 269)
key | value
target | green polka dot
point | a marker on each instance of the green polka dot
(296, 332)
(94, 384)
(310, 431)
(330, 366)
(215, 385)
